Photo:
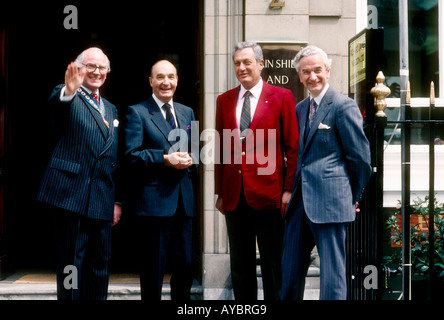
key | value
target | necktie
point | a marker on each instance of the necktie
(169, 116)
(100, 107)
(313, 109)
(245, 119)
(96, 97)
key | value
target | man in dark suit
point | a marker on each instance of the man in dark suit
(157, 147)
(332, 170)
(258, 130)
(79, 183)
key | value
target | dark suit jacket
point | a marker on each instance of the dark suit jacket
(261, 171)
(80, 176)
(153, 188)
(334, 162)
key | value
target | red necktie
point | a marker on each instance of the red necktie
(96, 97)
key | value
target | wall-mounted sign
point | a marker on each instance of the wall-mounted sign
(357, 60)
(366, 59)
(279, 69)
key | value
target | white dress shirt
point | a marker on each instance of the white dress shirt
(254, 98)
(160, 104)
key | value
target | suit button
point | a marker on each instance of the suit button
(240, 171)
(303, 165)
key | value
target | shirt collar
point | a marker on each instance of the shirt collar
(89, 91)
(160, 103)
(318, 99)
(255, 91)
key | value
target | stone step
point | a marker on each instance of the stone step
(12, 289)
(48, 291)
(35, 286)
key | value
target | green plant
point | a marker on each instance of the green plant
(419, 238)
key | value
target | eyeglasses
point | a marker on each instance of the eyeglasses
(92, 67)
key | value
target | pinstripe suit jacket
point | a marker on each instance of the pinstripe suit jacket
(80, 174)
(334, 160)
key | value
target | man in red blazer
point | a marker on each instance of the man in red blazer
(257, 126)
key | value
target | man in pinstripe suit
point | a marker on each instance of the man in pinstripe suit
(79, 183)
(332, 171)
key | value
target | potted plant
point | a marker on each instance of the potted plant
(419, 235)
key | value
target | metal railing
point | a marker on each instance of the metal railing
(366, 234)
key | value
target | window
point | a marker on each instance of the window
(423, 44)
(426, 57)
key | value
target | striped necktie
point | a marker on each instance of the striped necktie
(245, 119)
(169, 116)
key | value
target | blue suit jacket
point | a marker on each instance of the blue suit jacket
(334, 160)
(153, 189)
(80, 176)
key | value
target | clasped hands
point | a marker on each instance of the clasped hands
(178, 160)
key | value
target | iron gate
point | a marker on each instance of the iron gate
(366, 234)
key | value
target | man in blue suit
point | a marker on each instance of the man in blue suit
(159, 168)
(79, 182)
(332, 171)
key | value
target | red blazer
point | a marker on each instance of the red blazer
(259, 163)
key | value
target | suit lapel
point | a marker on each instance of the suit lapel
(302, 121)
(98, 118)
(109, 116)
(231, 112)
(262, 105)
(182, 121)
(321, 113)
(158, 119)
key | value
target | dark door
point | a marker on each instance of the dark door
(3, 146)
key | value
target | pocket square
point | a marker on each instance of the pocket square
(116, 123)
(323, 126)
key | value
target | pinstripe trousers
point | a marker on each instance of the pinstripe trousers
(300, 237)
(83, 244)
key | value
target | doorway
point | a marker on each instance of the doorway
(134, 36)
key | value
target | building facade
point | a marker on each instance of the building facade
(201, 43)
(324, 23)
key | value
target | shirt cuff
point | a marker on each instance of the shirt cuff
(67, 97)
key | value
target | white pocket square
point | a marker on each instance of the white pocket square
(323, 126)
(116, 123)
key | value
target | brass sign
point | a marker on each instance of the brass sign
(279, 68)
(275, 4)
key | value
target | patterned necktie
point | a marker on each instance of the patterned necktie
(245, 119)
(169, 116)
(96, 97)
(313, 109)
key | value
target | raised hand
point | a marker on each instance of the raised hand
(73, 78)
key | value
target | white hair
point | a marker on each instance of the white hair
(81, 57)
(308, 51)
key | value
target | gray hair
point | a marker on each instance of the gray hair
(249, 44)
(81, 57)
(308, 51)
